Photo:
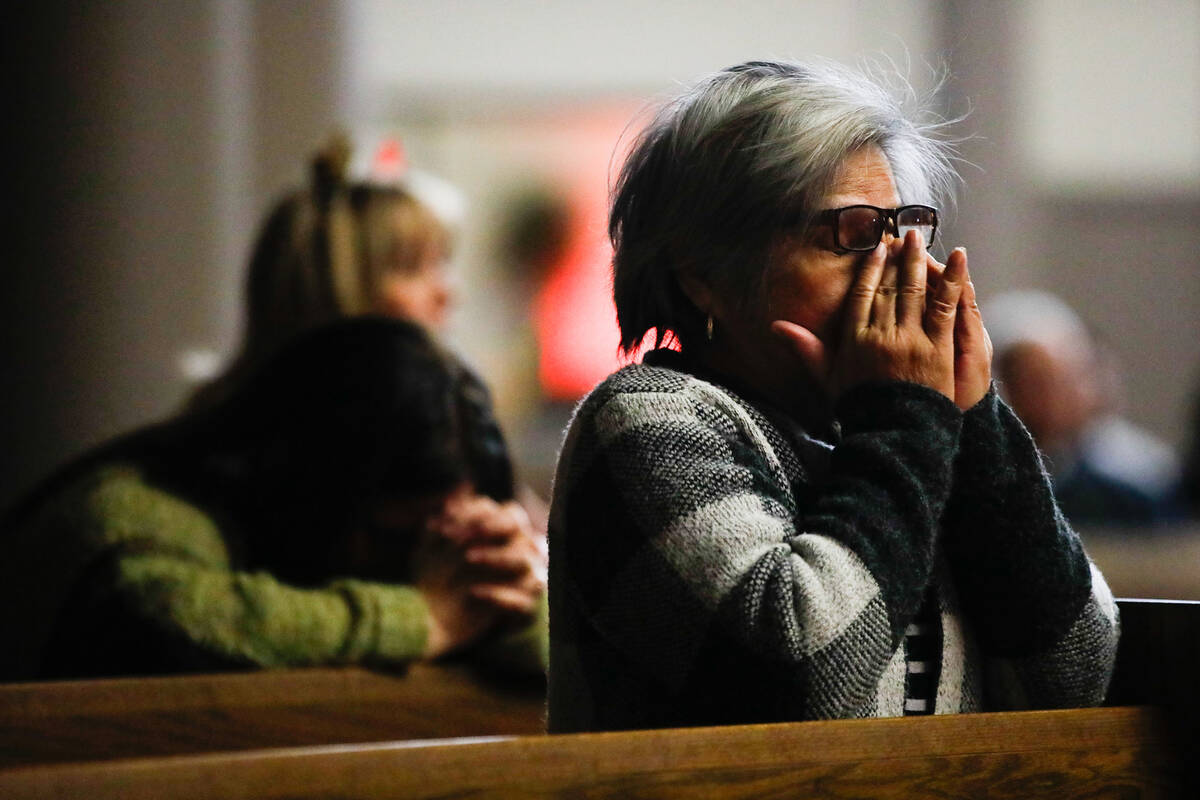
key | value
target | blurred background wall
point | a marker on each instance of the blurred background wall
(151, 136)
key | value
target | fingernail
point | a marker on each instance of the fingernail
(963, 249)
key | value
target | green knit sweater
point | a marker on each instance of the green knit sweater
(166, 577)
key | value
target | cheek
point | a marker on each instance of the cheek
(814, 300)
(808, 285)
(396, 296)
(410, 299)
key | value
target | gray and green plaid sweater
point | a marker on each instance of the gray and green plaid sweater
(712, 563)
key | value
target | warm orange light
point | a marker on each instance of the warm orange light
(574, 317)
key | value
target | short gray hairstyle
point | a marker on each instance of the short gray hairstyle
(744, 156)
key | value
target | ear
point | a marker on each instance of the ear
(697, 291)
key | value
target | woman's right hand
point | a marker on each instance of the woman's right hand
(479, 565)
(891, 329)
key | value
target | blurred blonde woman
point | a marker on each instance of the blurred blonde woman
(341, 248)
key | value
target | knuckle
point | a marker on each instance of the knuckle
(941, 307)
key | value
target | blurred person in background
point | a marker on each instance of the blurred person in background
(344, 246)
(350, 502)
(1066, 388)
(817, 506)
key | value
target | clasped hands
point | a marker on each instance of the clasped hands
(907, 317)
(480, 565)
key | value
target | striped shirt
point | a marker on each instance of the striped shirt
(922, 651)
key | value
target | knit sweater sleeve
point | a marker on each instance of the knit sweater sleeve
(677, 540)
(1042, 612)
(170, 567)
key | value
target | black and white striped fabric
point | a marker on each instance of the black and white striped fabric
(922, 659)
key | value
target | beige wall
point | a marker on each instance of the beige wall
(1085, 175)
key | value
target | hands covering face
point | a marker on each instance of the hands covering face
(909, 318)
(480, 564)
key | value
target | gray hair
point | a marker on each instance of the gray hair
(745, 155)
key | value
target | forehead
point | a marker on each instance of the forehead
(865, 176)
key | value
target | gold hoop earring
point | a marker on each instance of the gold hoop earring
(708, 330)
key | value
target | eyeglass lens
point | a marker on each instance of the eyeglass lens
(918, 218)
(861, 227)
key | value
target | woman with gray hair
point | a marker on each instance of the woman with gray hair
(812, 504)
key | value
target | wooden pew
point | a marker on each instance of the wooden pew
(127, 717)
(1124, 750)
(1090, 753)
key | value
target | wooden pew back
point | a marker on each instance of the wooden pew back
(1119, 751)
(129, 717)
(1089, 753)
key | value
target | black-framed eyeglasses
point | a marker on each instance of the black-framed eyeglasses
(860, 228)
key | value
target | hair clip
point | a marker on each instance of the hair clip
(390, 163)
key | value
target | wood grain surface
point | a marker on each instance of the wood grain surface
(127, 717)
(342, 733)
(1089, 753)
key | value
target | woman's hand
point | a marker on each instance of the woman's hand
(502, 543)
(480, 565)
(891, 329)
(972, 345)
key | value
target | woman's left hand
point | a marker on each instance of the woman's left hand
(972, 345)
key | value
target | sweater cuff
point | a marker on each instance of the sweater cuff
(996, 451)
(884, 405)
(523, 651)
(390, 625)
(983, 416)
(1022, 572)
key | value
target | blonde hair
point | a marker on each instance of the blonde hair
(324, 253)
